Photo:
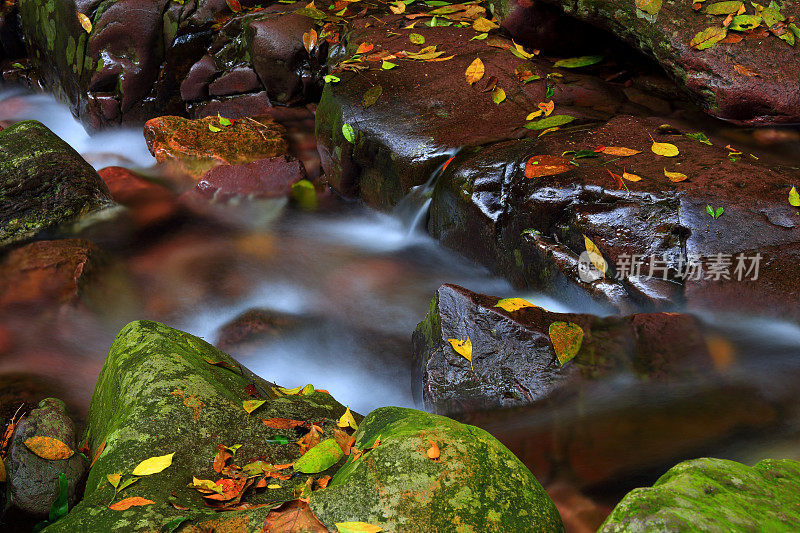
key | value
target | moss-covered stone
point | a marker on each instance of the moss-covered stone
(158, 394)
(475, 485)
(43, 182)
(714, 495)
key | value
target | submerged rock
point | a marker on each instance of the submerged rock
(475, 484)
(33, 483)
(265, 178)
(714, 495)
(44, 183)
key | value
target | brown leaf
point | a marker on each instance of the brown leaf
(127, 503)
(179, 507)
(344, 440)
(98, 452)
(310, 40)
(291, 517)
(309, 440)
(221, 458)
(49, 448)
(231, 488)
(475, 71)
(744, 71)
(323, 482)
(284, 423)
(546, 165)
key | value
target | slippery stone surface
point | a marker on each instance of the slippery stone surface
(43, 183)
(32, 480)
(253, 326)
(714, 76)
(476, 484)
(514, 360)
(149, 202)
(158, 394)
(714, 495)
(265, 178)
(195, 148)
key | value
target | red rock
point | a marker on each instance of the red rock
(149, 202)
(266, 178)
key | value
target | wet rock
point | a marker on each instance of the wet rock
(713, 77)
(254, 326)
(158, 394)
(532, 230)
(32, 480)
(265, 178)
(149, 202)
(579, 513)
(427, 111)
(195, 148)
(514, 362)
(714, 495)
(43, 183)
(398, 487)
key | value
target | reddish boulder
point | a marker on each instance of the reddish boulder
(265, 178)
(149, 202)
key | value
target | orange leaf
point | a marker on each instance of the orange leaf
(475, 71)
(310, 40)
(744, 71)
(221, 458)
(547, 107)
(49, 448)
(283, 423)
(85, 22)
(234, 5)
(620, 151)
(293, 516)
(546, 165)
(127, 503)
(433, 452)
(323, 481)
(363, 48)
(98, 452)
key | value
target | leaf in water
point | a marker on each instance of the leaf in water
(433, 452)
(347, 420)
(357, 527)
(464, 349)
(549, 122)
(708, 38)
(665, 149)
(153, 465)
(595, 255)
(127, 503)
(416, 38)
(498, 95)
(349, 133)
(321, 457)
(371, 95)
(483, 25)
(724, 8)
(546, 165)
(513, 304)
(566, 338)
(577, 62)
(794, 197)
(651, 7)
(619, 151)
(49, 448)
(675, 177)
(86, 23)
(291, 517)
(252, 405)
(388, 65)
(475, 71)
(631, 177)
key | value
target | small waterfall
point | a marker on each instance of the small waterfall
(412, 210)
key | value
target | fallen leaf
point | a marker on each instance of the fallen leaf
(349, 133)
(416, 38)
(577, 62)
(221, 458)
(235, 6)
(744, 71)
(388, 65)
(513, 304)
(347, 420)
(357, 527)
(631, 177)
(49, 448)
(3, 474)
(153, 465)
(794, 197)
(206, 486)
(498, 95)
(86, 23)
(232, 489)
(549, 122)
(546, 165)
(371, 95)
(433, 451)
(724, 8)
(482, 24)
(651, 7)
(566, 338)
(127, 503)
(310, 40)
(345, 441)
(708, 38)
(675, 177)
(547, 108)
(475, 71)
(464, 349)
(619, 151)
(323, 481)
(98, 452)
(213, 128)
(251, 405)
(664, 149)
(321, 457)
(398, 8)
(283, 423)
(292, 517)
(595, 255)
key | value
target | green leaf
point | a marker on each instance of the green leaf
(700, 137)
(724, 8)
(744, 22)
(498, 95)
(479, 37)
(304, 195)
(213, 128)
(416, 38)
(549, 122)
(174, 524)
(371, 95)
(794, 197)
(388, 65)
(651, 7)
(576, 62)
(252, 405)
(708, 38)
(321, 457)
(349, 133)
(719, 212)
(549, 92)
(224, 121)
(330, 78)
(315, 14)
(566, 338)
(60, 507)
(710, 210)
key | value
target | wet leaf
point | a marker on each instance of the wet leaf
(330, 78)
(619, 151)
(513, 304)
(723, 8)
(433, 452)
(283, 423)
(546, 165)
(49, 448)
(363, 48)
(371, 95)
(388, 65)
(98, 452)
(321, 457)
(213, 128)
(566, 338)
(463, 348)
(127, 503)
(665, 149)
(416, 38)
(498, 95)
(86, 23)
(546, 108)
(708, 38)
(794, 197)
(174, 524)
(631, 177)
(651, 7)
(675, 177)
(153, 465)
(310, 40)
(744, 22)
(483, 24)
(699, 137)
(475, 71)
(349, 133)
(291, 517)
(577, 62)
(595, 255)
(347, 420)
(235, 6)
(549, 122)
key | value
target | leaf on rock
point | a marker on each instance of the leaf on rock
(371, 95)
(433, 452)
(513, 304)
(347, 420)
(708, 37)
(482, 25)
(283, 423)
(388, 65)
(547, 108)
(475, 71)
(464, 349)
(221, 458)
(675, 177)
(357, 527)
(213, 128)
(291, 517)
(49, 448)
(665, 149)
(498, 95)
(577, 62)
(595, 255)
(651, 7)
(321, 457)
(744, 71)
(349, 133)
(794, 197)
(363, 48)
(631, 177)
(310, 40)
(546, 165)
(86, 23)
(724, 8)
(619, 151)
(206, 486)
(153, 465)
(416, 38)
(549, 122)
(98, 452)
(566, 338)
(127, 503)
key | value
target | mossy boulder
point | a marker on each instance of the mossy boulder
(714, 495)
(476, 484)
(44, 182)
(159, 393)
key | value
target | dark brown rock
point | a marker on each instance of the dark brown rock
(265, 178)
(253, 326)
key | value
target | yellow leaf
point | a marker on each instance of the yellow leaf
(275, 485)
(513, 304)
(347, 420)
(567, 338)
(483, 24)
(85, 22)
(206, 485)
(675, 177)
(475, 71)
(547, 108)
(127, 503)
(620, 151)
(49, 448)
(794, 197)
(357, 527)
(595, 256)
(252, 405)
(114, 479)
(463, 348)
(631, 177)
(498, 95)
(153, 465)
(534, 114)
(664, 149)
(398, 8)
(651, 7)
